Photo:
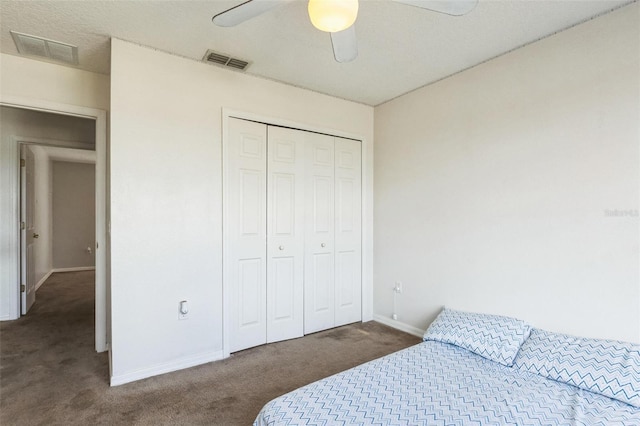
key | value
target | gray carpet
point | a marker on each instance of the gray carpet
(50, 373)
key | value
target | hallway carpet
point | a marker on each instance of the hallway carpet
(51, 375)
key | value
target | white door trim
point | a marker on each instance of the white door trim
(57, 143)
(367, 209)
(13, 213)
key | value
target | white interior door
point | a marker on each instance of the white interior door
(28, 233)
(319, 298)
(246, 255)
(285, 233)
(348, 231)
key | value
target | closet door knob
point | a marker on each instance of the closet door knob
(322, 245)
(281, 248)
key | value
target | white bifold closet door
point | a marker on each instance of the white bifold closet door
(247, 234)
(285, 233)
(319, 268)
(348, 231)
(293, 232)
(266, 244)
(333, 268)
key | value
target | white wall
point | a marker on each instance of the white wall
(73, 214)
(492, 187)
(45, 81)
(20, 124)
(48, 126)
(166, 194)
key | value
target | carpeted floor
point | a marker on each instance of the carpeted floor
(50, 373)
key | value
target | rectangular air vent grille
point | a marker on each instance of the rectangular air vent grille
(43, 48)
(224, 60)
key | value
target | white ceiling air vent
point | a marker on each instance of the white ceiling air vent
(42, 48)
(224, 60)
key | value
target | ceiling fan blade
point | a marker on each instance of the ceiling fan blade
(450, 7)
(245, 11)
(345, 45)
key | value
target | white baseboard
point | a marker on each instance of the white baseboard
(47, 275)
(76, 269)
(167, 367)
(398, 325)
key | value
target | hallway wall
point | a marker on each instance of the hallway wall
(73, 208)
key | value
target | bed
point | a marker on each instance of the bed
(477, 369)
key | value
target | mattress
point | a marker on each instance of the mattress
(436, 383)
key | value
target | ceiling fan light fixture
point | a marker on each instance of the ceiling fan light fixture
(333, 15)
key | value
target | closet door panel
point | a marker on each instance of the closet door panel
(284, 289)
(285, 234)
(319, 300)
(322, 199)
(250, 283)
(246, 223)
(323, 285)
(348, 231)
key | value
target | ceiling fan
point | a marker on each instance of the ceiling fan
(335, 17)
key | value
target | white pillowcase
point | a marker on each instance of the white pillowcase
(494, 337)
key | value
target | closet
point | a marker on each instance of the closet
(293, 219)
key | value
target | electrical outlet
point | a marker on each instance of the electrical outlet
(398, 287)
(183, 310)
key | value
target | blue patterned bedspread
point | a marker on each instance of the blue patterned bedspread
(435, 383)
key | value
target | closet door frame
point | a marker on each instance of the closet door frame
(367, 209)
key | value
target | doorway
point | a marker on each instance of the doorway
(57, 208)
(11, 263)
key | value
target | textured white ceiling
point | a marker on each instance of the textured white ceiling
(401, 48)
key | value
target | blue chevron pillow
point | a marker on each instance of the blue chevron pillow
(494, 337)
(606, 367)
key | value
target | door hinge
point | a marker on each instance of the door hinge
(23, 163)
(23, 288)
(22, 225)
